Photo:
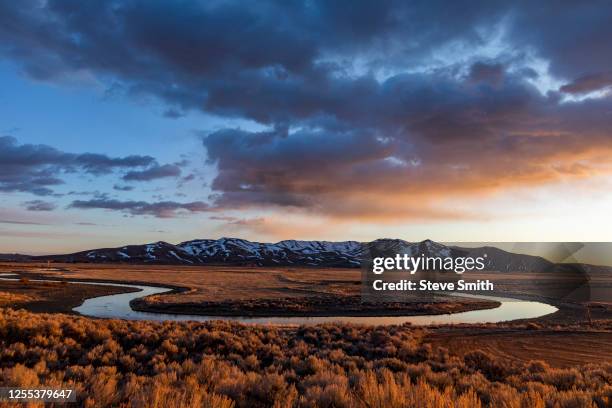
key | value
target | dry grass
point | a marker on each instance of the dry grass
(220, 364)
(214, 283)
(248, 291)
(13, 299)
(217, 290)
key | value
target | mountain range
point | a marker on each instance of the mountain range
(234, 251)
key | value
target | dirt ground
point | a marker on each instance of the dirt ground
(557, 348)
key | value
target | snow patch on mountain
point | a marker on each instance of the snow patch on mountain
(234, 251)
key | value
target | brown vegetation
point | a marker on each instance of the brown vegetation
(12, 299)
(324, 305)
(243, 291)
(212, 283)
(221, 364)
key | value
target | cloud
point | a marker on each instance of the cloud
(122, 188)
(160, 209)
(446, 137)
(16, 222)
(39, 205)
(269, 61)
(580, 48)
(188, 178)
(153, 173)
(589, 83)
(101, 164)
(37, 168)
(171, 113)
(275, 62)
(387, 109)
(492, 74)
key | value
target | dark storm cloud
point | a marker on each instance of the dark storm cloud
(37, 168)
(269, 167)
(492, 74)
(489, 131)
(39, 205)
(368, 104)
(270, 61)
(160, 209)
(573, 36)
(224, 56)
(153, 173)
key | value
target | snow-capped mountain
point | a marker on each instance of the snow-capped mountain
(234, 251)
(228, 251)
(290, 252)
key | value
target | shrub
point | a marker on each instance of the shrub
(223, 365)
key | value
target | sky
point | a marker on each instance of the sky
(125, 122)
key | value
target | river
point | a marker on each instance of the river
(118, 307)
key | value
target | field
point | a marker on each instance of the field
(563, 360)
(136, 364)
(226, 291)
(558, 348)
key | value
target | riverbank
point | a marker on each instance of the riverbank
(318, 293)
(119, 306)
(51, 297)
(275, 293)
(62, 297)
(321, 306)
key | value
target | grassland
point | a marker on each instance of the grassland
(560, 346)
(233, 291)
(563, 360)
(220, 364)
